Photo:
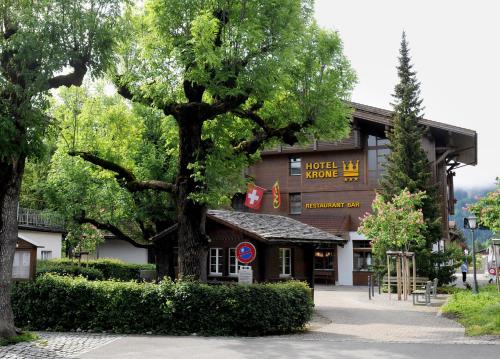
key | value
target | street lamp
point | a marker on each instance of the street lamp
(471, 223)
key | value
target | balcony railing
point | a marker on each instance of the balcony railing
(40, 219)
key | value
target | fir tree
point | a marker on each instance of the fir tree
(407, 164)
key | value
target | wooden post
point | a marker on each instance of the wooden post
(405, 287)
(414, 273)
(389, 276)
(398, 275)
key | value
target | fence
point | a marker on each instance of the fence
(36, 218)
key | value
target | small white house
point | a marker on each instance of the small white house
(49, 243)
(118, 249)
(44, 229)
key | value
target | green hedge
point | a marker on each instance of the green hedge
(94, 269)
(64, 303)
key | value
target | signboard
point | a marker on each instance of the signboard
(492, 271)
(245, 252)
(330, 169)
(21, 265)
(245, 275)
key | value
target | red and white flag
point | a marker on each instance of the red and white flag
(254, 196)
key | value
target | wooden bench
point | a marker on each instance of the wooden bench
(419, 281)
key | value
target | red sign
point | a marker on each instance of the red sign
(245, 252)
(254, 197)
(492, 271)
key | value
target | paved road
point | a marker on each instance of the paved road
(285, 347)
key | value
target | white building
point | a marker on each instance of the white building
(44, 230)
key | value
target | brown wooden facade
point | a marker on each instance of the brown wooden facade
(335, 183)
(24, 250)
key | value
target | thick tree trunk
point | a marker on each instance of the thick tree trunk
(192, 240)
(10, 184)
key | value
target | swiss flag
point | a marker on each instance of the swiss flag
(254, 196)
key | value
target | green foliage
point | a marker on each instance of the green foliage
(487, 209)
(464, 199)
(24, 337)
(441, 265)
(136, 138)
(64, 303)
(108, 269)
(407, 165)
(395, 225)
(39, 39)
(478, 313)
(271, 55)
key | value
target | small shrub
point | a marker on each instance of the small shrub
(63, 303)
(108, 269)
(24, 337)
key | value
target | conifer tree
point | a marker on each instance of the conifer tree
(407, 165)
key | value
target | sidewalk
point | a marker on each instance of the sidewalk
(348, 314)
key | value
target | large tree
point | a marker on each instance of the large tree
(44, 44)
(235, 76)
(407, 164)
(408, 167)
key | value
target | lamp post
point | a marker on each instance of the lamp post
(471, 222)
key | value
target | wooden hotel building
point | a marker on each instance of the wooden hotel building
(331, 185)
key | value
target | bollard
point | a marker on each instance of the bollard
(378, 282)
(369, 287)
(373, 287)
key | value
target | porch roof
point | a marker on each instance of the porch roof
(273, 228)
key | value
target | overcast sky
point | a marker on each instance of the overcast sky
(455, 49)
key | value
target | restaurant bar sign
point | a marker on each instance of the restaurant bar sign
(318, 205)
(330, 169)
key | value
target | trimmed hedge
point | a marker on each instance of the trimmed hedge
(98, 269)
(63, 303)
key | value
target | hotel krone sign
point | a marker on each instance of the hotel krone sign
(330, 169)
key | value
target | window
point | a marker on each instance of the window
(233, 262)
(285, 262)
(361, 244)
(215, 261)
(377, 153)
(323, 260)
(362, 261)
(294, 166)
(295, 203)
(46, 255)
(21, 265)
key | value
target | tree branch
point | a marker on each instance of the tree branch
(287, 134)
(125, 91)
(74, 78)
(124, 176)
(117, 232)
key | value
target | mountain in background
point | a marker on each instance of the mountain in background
(465, 197)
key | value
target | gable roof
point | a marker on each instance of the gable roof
(272, 228)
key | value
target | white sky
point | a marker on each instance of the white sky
(455, 49)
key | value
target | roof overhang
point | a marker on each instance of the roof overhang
(461, 142)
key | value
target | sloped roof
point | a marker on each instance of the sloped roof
(336, 225)
(30, 241)
(273, 228)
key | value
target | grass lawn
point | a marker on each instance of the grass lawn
(479, 314)
(25, 337)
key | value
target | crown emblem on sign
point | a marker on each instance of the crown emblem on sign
(350, 169)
